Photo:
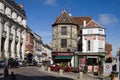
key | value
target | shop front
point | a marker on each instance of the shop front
(89, 62)
(63, 57)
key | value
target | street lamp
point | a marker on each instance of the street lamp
(118, 62)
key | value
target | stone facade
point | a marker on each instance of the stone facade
(70, 36)
(12, 29)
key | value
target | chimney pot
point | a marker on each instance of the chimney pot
(84, 23)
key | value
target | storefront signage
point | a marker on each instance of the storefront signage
(96, 68)
(92, 57)
(82, 62)
(93, 68)
(89, 68)
(64, 54)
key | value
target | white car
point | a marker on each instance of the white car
(39, 64)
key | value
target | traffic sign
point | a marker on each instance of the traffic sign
(107, 67)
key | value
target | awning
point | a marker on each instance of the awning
(63, 57)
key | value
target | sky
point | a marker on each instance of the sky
(41, 15)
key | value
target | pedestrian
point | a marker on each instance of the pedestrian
(6, 72)
(12, 76)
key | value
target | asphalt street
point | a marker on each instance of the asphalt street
(36, 73)
(32, 73)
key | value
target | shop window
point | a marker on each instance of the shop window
(92, 61)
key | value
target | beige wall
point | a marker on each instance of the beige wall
(71, 38)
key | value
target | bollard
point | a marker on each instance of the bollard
(43, 68)
(81, 75)
(60, 72)
(49, 69)
(6, 72)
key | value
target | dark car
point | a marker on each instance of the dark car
(12, 63)
(2, 63)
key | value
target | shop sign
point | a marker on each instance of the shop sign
(64, 54)
(92, 57)
(93, 68)
(96, 68)
(89, 69)
(82, 62)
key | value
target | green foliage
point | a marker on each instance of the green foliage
(63, 64)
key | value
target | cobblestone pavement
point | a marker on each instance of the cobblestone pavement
(36, 73)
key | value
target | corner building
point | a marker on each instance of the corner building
(64, 40)
(79, 41)
(12, 29)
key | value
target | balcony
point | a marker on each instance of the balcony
(16, 38)
(11, 36)
(4, 34)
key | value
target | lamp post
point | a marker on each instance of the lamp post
(118, 62)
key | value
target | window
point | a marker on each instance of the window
(63, 43)
(88, 45)
(90, 32)
(92, 61)
(63, 31)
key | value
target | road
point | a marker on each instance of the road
(32, 73)
(36, 73)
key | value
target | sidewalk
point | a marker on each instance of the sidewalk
(72, 75)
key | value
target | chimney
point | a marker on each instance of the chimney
(21, 6)
(84, 23)
(70, 15)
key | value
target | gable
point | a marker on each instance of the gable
(64, 19)
(93, 24)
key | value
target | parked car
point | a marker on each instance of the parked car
(34, 62)
(39, 64)
(2, 63)
(22, 63)
(12, 63)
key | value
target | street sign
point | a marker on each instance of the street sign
(107, 68)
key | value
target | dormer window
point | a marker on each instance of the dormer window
(64, 20)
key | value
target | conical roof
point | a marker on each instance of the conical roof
(64, 18)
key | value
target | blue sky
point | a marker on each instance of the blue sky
(42, 13)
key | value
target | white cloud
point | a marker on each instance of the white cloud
(50, 2)
(45, 34)
(107, 19)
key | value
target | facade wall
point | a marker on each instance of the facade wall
(71, 38)
(13, 32)
(97, 39)
(29, 42)
(108, 50)
(37, 48)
